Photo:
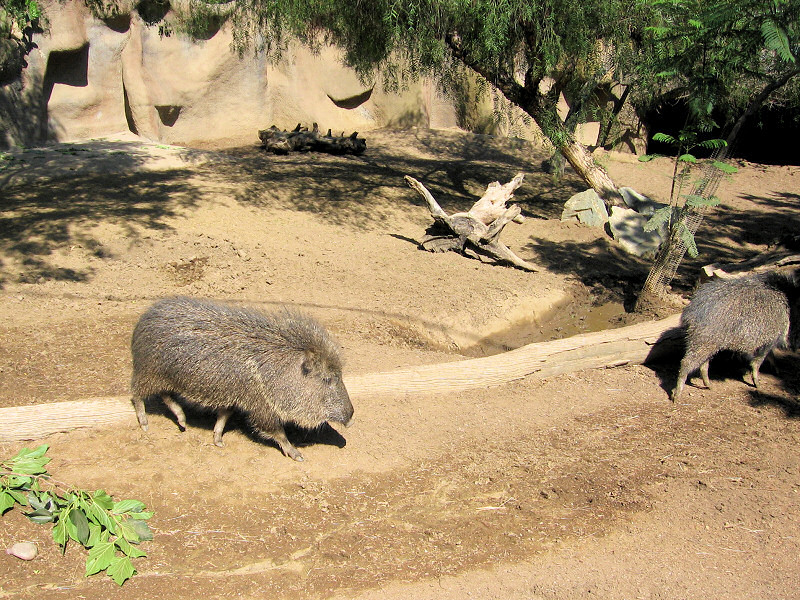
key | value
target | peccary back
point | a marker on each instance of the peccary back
(274, 368)
(751, 315)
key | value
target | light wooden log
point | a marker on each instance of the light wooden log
(40, 420)
(635, 344)
(611, 348)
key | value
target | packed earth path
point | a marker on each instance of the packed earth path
(588, 484)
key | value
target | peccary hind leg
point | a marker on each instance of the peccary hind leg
(222, 418)
(141, 415)
(176, 410)
(689, 364)
(755, 365)
(704, 373)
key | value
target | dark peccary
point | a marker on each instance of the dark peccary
(274, 368)
(752, 315)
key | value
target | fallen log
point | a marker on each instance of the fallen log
(762, 262)
(475, 233)
(635, 344)
(300, 139)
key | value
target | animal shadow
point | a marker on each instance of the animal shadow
(197, 417)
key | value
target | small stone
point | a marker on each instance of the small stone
(23, 550)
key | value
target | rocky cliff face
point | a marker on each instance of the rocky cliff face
(90, 76)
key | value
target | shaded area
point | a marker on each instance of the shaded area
(36, 221)
(353, 191)
(23, 114)
(611, 273)
(729, 234)
(787, 369)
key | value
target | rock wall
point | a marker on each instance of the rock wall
(93, 75)
(89, 76)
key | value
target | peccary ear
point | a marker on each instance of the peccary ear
(312, 363)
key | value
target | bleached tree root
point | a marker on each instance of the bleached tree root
(635, 344)
(475, 233)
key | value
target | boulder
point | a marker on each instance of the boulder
(639, 202)
(627, 228)
(586, 208)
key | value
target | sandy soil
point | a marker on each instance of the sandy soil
(584, 485)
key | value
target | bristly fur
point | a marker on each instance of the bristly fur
(275, 368)
(752, 315)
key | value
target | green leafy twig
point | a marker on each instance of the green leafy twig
(673, 215)
(110, 530)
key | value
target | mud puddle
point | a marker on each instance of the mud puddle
(562, 322)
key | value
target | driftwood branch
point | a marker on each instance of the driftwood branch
(300, 139)
(475, 233)
(493, 202)
(636, 344)
(763, 262)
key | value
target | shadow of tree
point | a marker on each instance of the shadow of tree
(730, 235)
(37, 220)
(360, 191)
(595, 263)
(23, 112)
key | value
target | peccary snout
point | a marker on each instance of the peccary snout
(751, 315)
(273, 368)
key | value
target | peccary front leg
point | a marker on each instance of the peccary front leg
(278, 435)
(176, 410)
(219, 426)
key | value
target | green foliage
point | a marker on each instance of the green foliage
(514, 44)
(680, 203)
(19, 14)
(111, 531)
(533, 52)
(777, 40)
(717, 55)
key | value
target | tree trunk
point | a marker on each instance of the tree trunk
(542, 107)
(593, 174)
(757, 102)
(606, 126)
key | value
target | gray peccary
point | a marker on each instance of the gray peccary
(274, 368)
(753, 315)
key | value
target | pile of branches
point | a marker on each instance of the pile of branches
(300, 139)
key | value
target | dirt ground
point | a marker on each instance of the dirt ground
(590, 484)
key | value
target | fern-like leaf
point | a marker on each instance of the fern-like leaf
(725, 167)
(688, 239)
(695, 201)
(775, 38)
(664, 138)
(713, 144)
(659, 218)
